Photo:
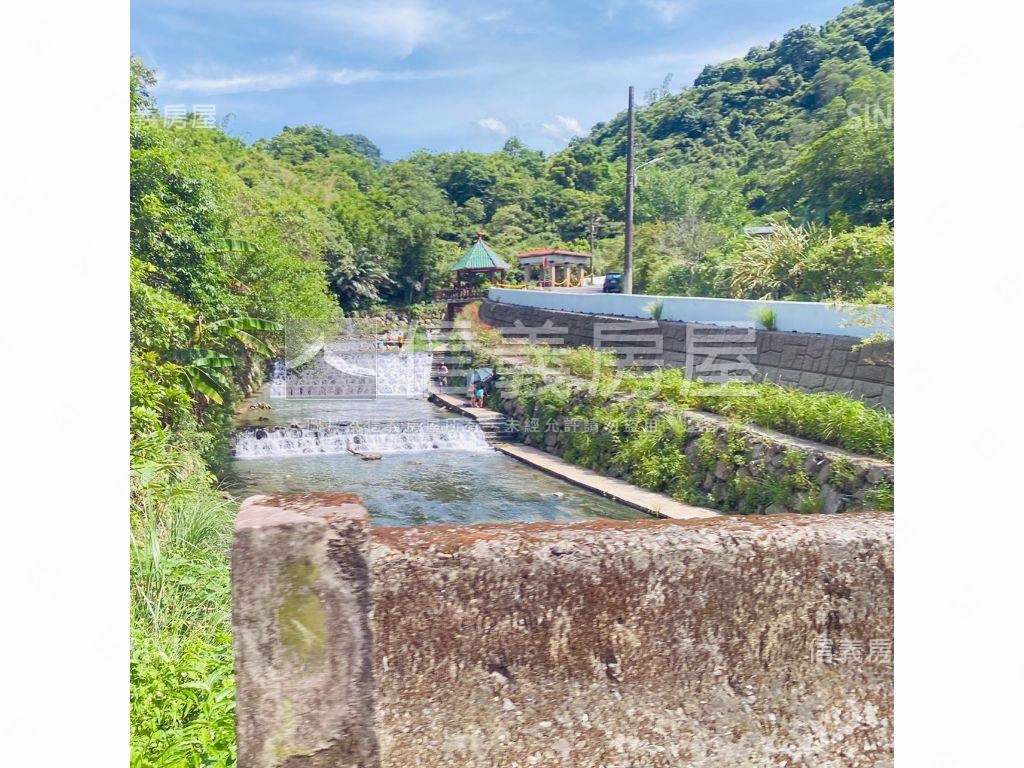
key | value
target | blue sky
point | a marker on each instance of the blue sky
(458, 74)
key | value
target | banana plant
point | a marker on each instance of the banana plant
(202, 370)
(234, 245)
(240, 329)
(203, 364)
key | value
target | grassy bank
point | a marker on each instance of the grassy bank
(182, 672)
(828, 418)
(634, 432)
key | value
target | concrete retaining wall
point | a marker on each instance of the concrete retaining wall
(730, 642)
(806, 361)
(800, 316)
(718, 464)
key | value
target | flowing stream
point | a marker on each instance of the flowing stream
(433, 467)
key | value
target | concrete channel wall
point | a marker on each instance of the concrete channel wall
(798, 316)
(725, 642)
(807, 361)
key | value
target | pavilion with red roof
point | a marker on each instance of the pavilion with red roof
(552, 266)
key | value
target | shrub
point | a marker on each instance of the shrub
(881, 497)
(541, 355)
(588, 362)
(654, 309)
(766, 317)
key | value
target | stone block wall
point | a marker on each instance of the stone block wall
(805, 361)
(725, 642)
(726, 466)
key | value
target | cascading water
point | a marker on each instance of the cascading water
(349, 375)
(373, 437)
(327, 399)
(343, 373)
(278, 380)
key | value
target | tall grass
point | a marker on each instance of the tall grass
(829, 418)
(767, 317)
(182, 673)
(589, 363)
(823, 416)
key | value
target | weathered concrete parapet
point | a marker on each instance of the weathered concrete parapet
(301, 621)
(727, 642)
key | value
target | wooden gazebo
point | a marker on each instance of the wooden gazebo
(479, 261)
(552, 266)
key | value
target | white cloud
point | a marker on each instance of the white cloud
(399, 26)
(492, 124)
(354, 76)
(667, 10)
(242, 82)
(563, 128)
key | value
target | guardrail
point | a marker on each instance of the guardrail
(800, 316)
(455, 294)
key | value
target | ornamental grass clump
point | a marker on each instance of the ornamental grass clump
(822, 416)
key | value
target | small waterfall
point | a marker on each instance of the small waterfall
(403, 375)
(373, 437)
(339, 372)
(278, 379)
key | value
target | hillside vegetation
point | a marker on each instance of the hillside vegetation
(798, 133)
(806, 121)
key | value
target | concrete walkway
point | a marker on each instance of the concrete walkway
(453, 403)
(651, 502)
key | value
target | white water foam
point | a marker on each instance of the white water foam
(340, 373)
(376, 437)
(278, 379)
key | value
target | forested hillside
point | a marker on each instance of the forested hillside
(797, 132)
(805, 121)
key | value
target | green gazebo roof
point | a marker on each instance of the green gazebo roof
(479, 256)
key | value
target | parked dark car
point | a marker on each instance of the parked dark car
(612, 283)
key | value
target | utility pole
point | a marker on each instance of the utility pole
(627, 260)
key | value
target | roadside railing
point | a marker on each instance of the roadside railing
(455, 294)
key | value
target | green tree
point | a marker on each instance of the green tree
(849, 169)
(357, 278)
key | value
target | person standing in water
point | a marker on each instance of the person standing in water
(442, 376)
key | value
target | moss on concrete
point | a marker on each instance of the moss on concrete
(301, 617)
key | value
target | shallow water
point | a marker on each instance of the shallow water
(434, 467)
(424, 487)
